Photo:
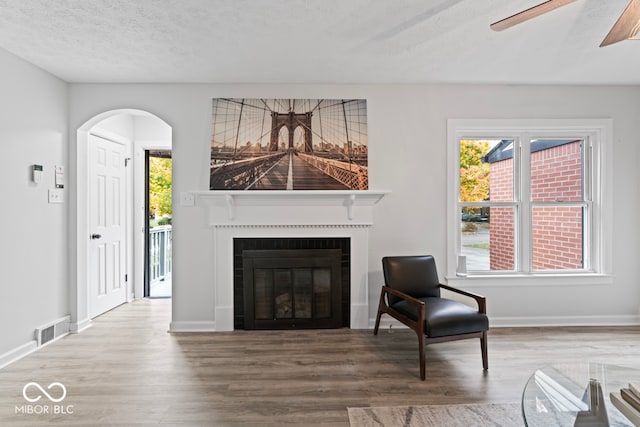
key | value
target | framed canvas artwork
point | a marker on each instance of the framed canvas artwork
(289, 144)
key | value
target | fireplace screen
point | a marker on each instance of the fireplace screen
(292, 289)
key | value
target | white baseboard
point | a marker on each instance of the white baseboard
(206, 326)
(613, 320)
(62, 329)
(525, 322)
(18, 353)
(385, 322)
(77, 327)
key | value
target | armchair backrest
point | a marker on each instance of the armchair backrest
(414, 275)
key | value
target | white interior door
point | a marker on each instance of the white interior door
(107, 225)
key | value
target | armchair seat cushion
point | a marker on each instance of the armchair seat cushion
(445, 317)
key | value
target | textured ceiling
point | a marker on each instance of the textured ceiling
(317, 41)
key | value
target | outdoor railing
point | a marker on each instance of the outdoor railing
(159, 253)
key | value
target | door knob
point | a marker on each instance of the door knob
(95, 236)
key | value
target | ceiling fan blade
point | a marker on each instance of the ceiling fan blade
(626, 26)
(530, 13)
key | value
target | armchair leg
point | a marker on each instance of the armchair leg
(483, 347)
(380, 305)
(375, 330)
(423, 370)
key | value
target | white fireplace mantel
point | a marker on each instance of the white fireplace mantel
(282, 207)
(289, 214)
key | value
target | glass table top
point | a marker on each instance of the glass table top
(577, 394)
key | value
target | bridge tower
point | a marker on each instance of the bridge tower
(291, 121)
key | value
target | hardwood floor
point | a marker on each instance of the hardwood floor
(127, 370)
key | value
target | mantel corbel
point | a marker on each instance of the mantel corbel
(231, 206)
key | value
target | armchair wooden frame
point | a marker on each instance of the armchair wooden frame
(419, 325)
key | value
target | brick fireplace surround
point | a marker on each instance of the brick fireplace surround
(289, 214)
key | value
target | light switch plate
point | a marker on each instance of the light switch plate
(187, 199)
(56, 195)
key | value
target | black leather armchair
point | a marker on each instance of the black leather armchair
(412, 296)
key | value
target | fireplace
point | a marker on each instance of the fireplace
(298, 215)
(288, 283)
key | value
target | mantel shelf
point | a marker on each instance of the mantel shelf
(276, 207)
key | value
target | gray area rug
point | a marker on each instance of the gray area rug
(471, 415)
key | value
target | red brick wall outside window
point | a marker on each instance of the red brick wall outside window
(502, 236)
(557, 231)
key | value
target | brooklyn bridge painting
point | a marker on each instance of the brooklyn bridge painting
(289, 144)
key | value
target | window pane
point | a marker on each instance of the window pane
(556, 170)
(557, 237)
(486, 170)
(488, 238)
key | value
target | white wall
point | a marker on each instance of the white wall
(33, 249)
(407, 155)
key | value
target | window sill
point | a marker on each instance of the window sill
(519, 280)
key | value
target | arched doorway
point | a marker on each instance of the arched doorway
(134, 131)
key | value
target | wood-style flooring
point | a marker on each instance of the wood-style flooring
(126, 370)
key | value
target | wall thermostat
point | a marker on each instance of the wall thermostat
(36, 173)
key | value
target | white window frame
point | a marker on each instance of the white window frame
(599, 134)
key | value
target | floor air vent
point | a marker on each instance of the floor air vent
(46, 335)
(52, 331)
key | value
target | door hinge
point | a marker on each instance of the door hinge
(126, 161)
(126, 277)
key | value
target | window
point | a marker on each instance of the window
(528, 198)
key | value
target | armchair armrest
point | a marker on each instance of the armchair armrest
(480, 300)
(420, 308)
